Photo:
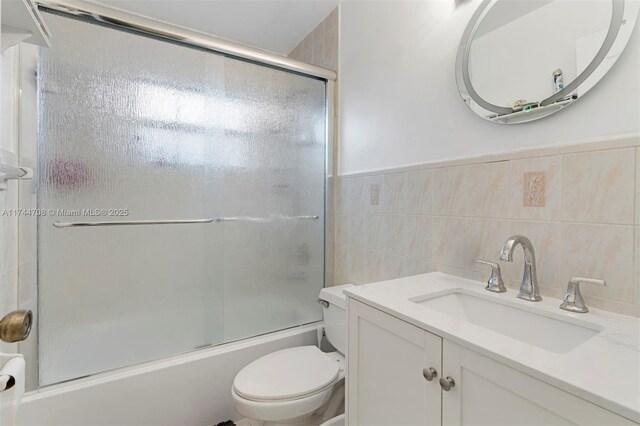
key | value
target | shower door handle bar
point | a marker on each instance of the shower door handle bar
(132, 222)
(175, 221)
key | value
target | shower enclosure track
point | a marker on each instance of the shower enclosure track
(179, 221)
(120, 18)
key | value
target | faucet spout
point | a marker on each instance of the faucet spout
(529, 287)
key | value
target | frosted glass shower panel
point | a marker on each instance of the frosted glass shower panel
(129, 127)
(137, 128)
(275, 151)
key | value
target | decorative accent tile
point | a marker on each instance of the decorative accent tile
(371, 185)
(599, 186)
(526, 200)
(375, 194)
(534, 189)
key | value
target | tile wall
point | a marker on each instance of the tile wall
(578, 205)
(320, 46)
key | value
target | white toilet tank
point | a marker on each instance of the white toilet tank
(335, 315)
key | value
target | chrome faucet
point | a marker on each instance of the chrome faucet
(529, 286)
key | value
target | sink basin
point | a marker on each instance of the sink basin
(542, 329)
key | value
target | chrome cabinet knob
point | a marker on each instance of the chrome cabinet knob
(446, 383)
(429, 373)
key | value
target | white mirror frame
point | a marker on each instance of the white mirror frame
(623, 11)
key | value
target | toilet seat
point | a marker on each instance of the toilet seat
(286, 375)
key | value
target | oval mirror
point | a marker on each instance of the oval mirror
(522, 60)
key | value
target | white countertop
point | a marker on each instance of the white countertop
(604, 370)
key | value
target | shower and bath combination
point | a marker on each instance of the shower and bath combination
(186, 180)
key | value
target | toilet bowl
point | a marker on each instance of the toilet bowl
(299, 385)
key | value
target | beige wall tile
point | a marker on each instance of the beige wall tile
(395, 234)
(485, 238)
(374, 266)
(413, 194)
(423, 223)
(424, 267)
(355, 259)
(357, 229)
(487, 189)
(450, 242)
(637, 169)
(340, 194)
(552, 292)
(396, 267)
(340, 264)
(320, 47)
(356, 201)
(602, 252)
(342, 229)
(394, 189)
(373, 232)
(599, 186)
(421, 242)
(425, 188)
(611, 305)
(636, 274)
(551, 167)
(452, 270)
(447, 192)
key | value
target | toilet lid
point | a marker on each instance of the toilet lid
(286, 374)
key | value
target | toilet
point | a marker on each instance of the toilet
(299, 385)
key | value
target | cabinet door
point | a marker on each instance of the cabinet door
(385, 380)
(489, 393)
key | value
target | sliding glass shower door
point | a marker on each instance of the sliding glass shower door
(136, 129)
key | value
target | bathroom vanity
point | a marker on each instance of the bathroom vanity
(438, 349)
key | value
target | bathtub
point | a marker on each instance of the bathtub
(189, 389)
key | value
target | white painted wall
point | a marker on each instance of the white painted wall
(399, 103)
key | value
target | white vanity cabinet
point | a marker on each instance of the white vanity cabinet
(386, 359)
(386, 384)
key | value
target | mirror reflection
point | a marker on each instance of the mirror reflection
(518, 59)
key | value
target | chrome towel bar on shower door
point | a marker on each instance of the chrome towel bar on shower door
(178, 221)
(263, 219)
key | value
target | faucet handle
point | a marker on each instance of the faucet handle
(495, 282)
(572, 300)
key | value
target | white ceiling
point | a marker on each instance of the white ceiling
(275, 25)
